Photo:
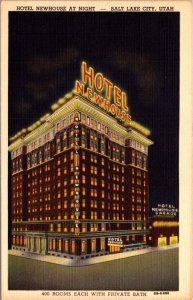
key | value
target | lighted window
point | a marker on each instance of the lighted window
(91, 227)
(59, 227)
(83, 227)
(59, 172)
(73, 247)
(83, 246)
(88, 120)
(65, 229)
(93, 245)
(59, 183)
(95, 170)
(103, 227)
(83, 118)
(83, 215)
(50, 244)
(83, 167)
(83, 155)
(83, 179)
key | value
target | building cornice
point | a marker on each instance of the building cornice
(79, 103)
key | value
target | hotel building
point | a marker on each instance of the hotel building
(80, 182)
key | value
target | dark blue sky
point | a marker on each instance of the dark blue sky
(137, 51)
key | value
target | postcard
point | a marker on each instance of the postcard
(96, 150)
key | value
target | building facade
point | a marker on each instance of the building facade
(79, 183)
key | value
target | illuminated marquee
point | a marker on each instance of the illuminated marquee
(115, 241)
(101, 91)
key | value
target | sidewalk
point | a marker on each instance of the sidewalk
(88, 261)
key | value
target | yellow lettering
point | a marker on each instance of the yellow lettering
(87, 74)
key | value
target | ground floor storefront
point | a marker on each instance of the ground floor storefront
(83, 247)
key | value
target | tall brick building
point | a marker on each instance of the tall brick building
(79, 182)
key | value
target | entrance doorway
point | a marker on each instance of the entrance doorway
(114, 249)
(162, 241)
(173, 240)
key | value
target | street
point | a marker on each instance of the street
(150, 271)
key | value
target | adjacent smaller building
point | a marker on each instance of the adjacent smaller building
(164, 230)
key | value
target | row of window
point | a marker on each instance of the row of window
(93, 215)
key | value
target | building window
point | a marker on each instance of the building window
(83, 227)
(73, 247)
(83, 155)
(83, 179)
(102, 244)
(50, 244)
(66, 246)
(65, 229)
(93, 245)
(103, 227)
(83, 191)
(83, 246)
(59, 227)
(71, 155)
(59, 245)
(91, 227)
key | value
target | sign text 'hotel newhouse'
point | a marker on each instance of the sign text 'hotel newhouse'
(101, 91)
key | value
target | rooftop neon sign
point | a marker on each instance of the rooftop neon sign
(100, 90)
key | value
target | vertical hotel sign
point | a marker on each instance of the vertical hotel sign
(76, 172)
(100, 90)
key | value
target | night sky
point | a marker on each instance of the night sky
(137, 51)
